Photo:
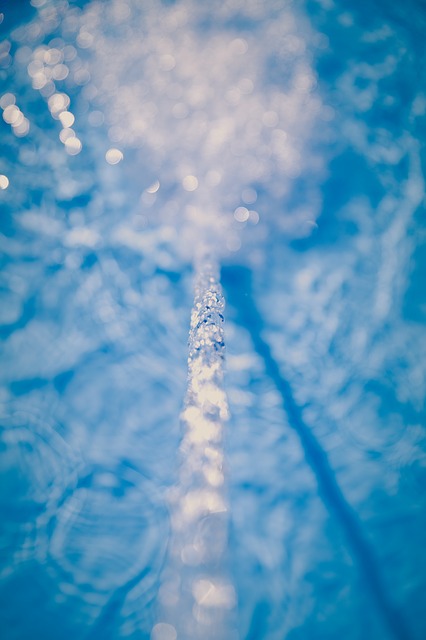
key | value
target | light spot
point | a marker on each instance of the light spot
(18, 120)
(191, 555)
(253, 217)
(167, 62)
(84, 39)
(67, 119)
(39, 80)
(6, 100)
(60, 72)
(66, 134)
(213, 178)
(190, 183)
(4, 182)
(116, 134)
(73, 146)
(114, 156)
(154, 187)
(270, 119)
(163, 631)
(241, 214)
(48, 89)
(58, 102)
(239, 46)
(249, 196)
(180, 110)
(35, 68)
(208, 594)
(304, 82)
(96, 118)
(327, 113)
(82, 237)
(199, 503)
(233, 96)
(70, 53)
(53, 56)
(11, 114)
(233, 243)
(246, 86)
(214, 476)
(20, 130)
(311, 224)
(81, 77)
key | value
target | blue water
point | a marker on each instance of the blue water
(285, 140)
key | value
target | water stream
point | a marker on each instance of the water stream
(197, 593)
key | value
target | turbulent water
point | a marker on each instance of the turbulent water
(264, 153)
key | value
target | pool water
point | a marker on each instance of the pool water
(270, 152)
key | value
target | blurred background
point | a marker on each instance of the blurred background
(287, 137)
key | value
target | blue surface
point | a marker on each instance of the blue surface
(324, 287)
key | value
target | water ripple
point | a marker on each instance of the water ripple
(108, 537)
(37, 468)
